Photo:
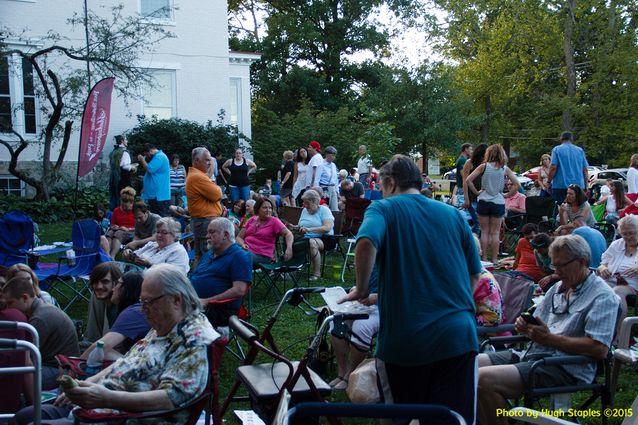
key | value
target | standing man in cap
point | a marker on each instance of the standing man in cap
(328, 178)
(569, 166)
(314, 165)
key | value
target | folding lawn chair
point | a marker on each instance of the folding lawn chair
(332, 243)
(541, 211)
(273, 272)
(70, 280)
(517, 293)
(354, 211)
(290, 215)
(16, 238)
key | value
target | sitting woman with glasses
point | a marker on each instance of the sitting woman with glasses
(574, 207)
(130, 325)
(316, 220)
(165, 249)
(619, 264)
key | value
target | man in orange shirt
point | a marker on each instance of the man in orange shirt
(204, 199)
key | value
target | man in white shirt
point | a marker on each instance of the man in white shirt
(121, 170)
(328, 178)
(316, 161)
(364, 166)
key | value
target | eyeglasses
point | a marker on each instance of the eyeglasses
(562, 266)
(149, 303)
(563, 304)
(163, 232)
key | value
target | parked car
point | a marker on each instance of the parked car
(525, 182)
(450, 175)
(599, 178)
(533, 173)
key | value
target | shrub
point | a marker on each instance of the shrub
(59, 207)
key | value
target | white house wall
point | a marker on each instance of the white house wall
(199, 55)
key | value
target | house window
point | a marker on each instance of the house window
(160, 100)
(17, 96)
(235, 101)
(157, 9)
(10, 185)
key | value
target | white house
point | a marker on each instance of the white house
(196, 73)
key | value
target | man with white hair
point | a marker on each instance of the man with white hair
(165, 370)
(204, 199)
(577, 316)
(223, 273)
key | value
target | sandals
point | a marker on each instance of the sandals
(339, 384)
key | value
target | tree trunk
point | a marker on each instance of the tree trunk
(485, 127)
(570, 68)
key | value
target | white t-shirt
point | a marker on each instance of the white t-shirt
(315, 163)
(364, 164)
(632, 180)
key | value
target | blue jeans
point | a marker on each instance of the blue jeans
(241, 192)
(476, 227)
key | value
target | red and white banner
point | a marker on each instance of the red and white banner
(95, 125)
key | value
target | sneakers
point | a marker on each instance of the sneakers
(339, 384)
(314, 278)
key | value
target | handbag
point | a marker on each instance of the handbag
(362, 383)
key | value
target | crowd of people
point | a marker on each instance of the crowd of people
(417, 260)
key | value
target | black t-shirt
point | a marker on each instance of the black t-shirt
(356, 191)
(288, 167)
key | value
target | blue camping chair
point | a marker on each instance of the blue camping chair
(16, 238)
(70, 280)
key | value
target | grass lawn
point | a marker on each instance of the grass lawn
(294, 329)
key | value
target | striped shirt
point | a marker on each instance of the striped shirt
(592, 311)
(178, 177)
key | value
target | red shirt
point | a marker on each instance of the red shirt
(527, 261)
(123, 219)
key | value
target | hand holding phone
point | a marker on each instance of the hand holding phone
(529, 319)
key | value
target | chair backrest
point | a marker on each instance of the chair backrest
(373, 195)
(338, 228)
(538, 207)
(300, 251)
(289, 214)
(85, 235)
(16, 232)
(354, 212)
(516, 292)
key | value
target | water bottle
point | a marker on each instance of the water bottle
(96, 359)
(70, 256)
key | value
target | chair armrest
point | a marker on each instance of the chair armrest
(625, 331)
(484, 330)
(562, 360)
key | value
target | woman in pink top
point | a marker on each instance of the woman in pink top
(259, 234)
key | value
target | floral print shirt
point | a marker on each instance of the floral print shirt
(488, 301)
(176, 363)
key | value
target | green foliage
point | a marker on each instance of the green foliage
(179, 136)
(60, 205)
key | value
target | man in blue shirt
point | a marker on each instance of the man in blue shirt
(569, 166)
(427, 258)
(157, 180)
(223, 273)
(594, 238)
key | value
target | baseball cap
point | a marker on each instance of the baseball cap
(315, 145)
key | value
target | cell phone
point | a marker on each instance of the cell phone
(529, 319)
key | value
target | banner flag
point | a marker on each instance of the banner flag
(95, 125)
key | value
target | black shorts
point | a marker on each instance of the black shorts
(490, 209)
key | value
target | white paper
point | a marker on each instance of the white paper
(334, 294)
(248, 417)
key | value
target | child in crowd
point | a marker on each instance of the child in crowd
(525, 261)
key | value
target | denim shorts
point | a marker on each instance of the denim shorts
(490, 209)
